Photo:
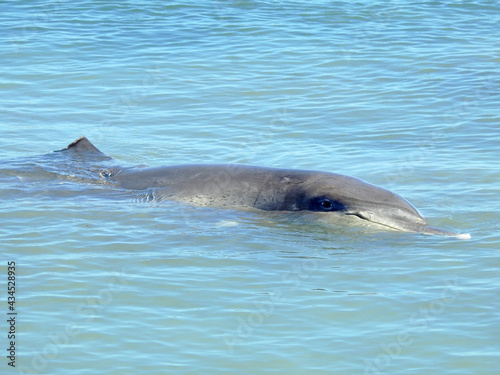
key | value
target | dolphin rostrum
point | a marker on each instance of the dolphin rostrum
(269, 189)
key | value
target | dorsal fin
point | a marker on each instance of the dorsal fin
(82, 144)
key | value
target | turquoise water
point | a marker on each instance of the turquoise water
(403, 95)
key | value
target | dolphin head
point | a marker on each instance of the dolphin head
(351, 196)
(344, 195)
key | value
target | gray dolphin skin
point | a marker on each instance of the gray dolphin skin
(269, 189)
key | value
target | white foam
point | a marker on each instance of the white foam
(227, 224)
(463, 236)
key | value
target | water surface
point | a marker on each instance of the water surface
(402, 95)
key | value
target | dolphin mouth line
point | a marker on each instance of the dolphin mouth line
(361, 217)
(418, 228)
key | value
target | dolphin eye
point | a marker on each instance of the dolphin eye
(326, 204)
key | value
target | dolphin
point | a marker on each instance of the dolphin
(269, 189)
